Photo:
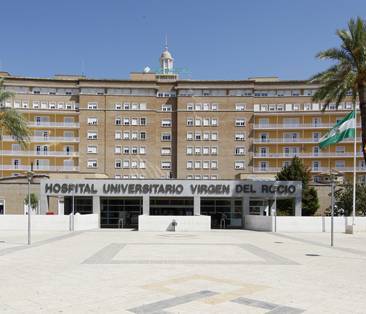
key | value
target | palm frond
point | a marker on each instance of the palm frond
(14, 123)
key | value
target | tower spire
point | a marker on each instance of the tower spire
(166, 41)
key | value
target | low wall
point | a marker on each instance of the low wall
(184, 223)
(48, 222)
(302, 224)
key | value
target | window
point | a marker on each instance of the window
(118, 135)
(166, 107)
(92, 105)
(239, 164)
(126, 121)
(92, 149)
(126, 106)
(92, 121)
(214, 122)
(214, 107)
(213, 150)
(198, 122)
(25, 104)
(165, 165)
(143, 121)
(92, 163)
(240, 107)
(205, 164)
(134, 164)
(206, 122)
(165, 151)
(117, 149)
(239, 136)
(189, 122)
(189, 107)
(126, 164)
(126, 150)
(118, 106)
(167, 123)
(166, 137)
(142, 150)
(126, 135)
(134, 135)
(197, 150)
(118, 163)
(92, 135)
(197, 164)
(134, 150)
(206, 136)
(135, 106)
(340, 149)
(189, 136)
(205, 151)
(189, 151)
(198, 107)
(340, 164)
(142, 136)
(118, 121)
(134, 121)
(2, 207)
(197, 136)
(307, 107)
(315, 165)
(189, 164)
(214, 164)
(35, 105)
(240, 150)
(142, 164)
(214, 136)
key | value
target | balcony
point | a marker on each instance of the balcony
(313, 169)
(40, 168)
(307, 155)
(289, 126)
(295, 140)
(65, 125)
(33, 153)
(43, 139)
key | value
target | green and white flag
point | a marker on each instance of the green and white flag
(341, 130)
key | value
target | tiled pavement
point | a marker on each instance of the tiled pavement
(112, 271)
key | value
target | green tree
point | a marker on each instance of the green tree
(33, 201)
(344, 200)
(348, 73)
(11, 121)
(297, 171)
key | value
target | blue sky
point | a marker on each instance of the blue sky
(210, 39)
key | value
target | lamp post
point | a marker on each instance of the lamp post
(29, 177)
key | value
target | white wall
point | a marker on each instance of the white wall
(184, 223)
(48, 222)
(302, 224)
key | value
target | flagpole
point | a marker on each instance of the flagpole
(354, 171)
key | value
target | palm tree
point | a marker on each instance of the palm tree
(348, 73)
(11, 121)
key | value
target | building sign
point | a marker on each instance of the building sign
(170, 188)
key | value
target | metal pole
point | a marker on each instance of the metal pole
(275, 210)
(332, 216)
(73, 211)
(354, 172)
(29, 211)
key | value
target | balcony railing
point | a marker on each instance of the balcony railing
(42, 139)
(38, 153)
(66, 125)
(313, 169)
(40, 168)
(286, 126)
(293, 140)
(306, 155)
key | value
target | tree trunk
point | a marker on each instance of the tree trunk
(362, 99)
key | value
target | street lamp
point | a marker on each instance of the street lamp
(30, 175)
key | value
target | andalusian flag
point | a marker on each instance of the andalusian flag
(343, 129)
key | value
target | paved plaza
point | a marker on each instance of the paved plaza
(113, 271)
